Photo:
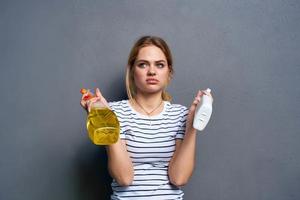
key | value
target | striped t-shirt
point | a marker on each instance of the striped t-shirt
(150, 143)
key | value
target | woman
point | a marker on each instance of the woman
(155, 154)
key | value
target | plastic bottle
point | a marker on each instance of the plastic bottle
(102, 123)
(203, 112)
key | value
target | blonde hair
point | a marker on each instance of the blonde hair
(140, 43)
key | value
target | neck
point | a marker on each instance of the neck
(148, 103)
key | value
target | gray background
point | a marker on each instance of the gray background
(247, 52)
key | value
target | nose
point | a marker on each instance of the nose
(151, 71)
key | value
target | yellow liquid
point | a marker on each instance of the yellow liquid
(103, 126)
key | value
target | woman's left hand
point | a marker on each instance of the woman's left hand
(197, 100)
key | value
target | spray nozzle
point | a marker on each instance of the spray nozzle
(89, 94)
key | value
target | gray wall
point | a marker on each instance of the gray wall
(247, 52)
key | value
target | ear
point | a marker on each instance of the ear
(169, 79)
(170, 76)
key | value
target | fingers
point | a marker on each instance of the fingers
(103, 100)
(83, 101)
(204, 92)
(84, 96)
(87, 99)
(90, 102)
(197, 98)
(199, 94)
(207, 93)
(98, 93)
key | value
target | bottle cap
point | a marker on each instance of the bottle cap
(208, 90)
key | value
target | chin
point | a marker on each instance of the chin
(151, 90)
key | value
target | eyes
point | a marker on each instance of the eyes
(144, 65)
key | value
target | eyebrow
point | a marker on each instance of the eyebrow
(148, 61)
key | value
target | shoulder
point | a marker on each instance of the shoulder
(117, 103)
(177, 108)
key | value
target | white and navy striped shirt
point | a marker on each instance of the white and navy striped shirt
(150, 143)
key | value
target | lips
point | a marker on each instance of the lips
(152, 81)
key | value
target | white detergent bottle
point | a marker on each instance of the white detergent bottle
(203, 112)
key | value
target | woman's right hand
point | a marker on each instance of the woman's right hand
(87, 103)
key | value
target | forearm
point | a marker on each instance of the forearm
(182, 163)
(119, 163)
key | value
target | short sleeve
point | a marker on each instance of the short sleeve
(116, 108)
(182, 123)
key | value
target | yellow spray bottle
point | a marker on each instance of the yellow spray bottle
(102, 123)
